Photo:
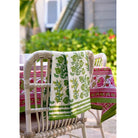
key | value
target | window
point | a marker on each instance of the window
(53, 8)
(52, 12)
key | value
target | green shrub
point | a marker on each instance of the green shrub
(75, 40)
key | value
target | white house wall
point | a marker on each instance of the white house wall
(88, 14)
(105, 14)
(40, 6)
(64, 3)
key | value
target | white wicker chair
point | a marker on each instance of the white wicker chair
(99, 61)
(32, 122)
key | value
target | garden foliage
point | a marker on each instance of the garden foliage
(75, 40)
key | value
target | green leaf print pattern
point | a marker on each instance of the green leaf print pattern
(61, 67)
(87, 59)
(70, 85)
(58, 88)
(77, 69)
(85, 81)
(61, 71)
(77, 64)
(75, 86)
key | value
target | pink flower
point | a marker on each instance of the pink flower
(40, 81)
(100, 82)
(65, 37)
(111, 36)
(39, 89)
(96, 34)
(104, 32)
(94, 78)
(112, 81)
(31, 81)
(107, 84)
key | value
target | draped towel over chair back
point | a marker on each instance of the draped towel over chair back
(70, 84)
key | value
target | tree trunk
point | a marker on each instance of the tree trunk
(36, 30)
(28, 33)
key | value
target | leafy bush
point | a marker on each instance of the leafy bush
(75, 40)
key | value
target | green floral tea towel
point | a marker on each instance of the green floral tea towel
(70, 84)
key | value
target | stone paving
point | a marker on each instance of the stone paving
(109, 128)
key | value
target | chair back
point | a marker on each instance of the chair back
(100, 60)
(43, 123)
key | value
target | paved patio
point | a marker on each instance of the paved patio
(109, 127)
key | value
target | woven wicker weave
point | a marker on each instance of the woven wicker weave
(32, 122)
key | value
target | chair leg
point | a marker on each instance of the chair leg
(70, 135)
(101, 129)
(84, 131)
(99, 124)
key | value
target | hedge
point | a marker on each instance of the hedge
(75, 40)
